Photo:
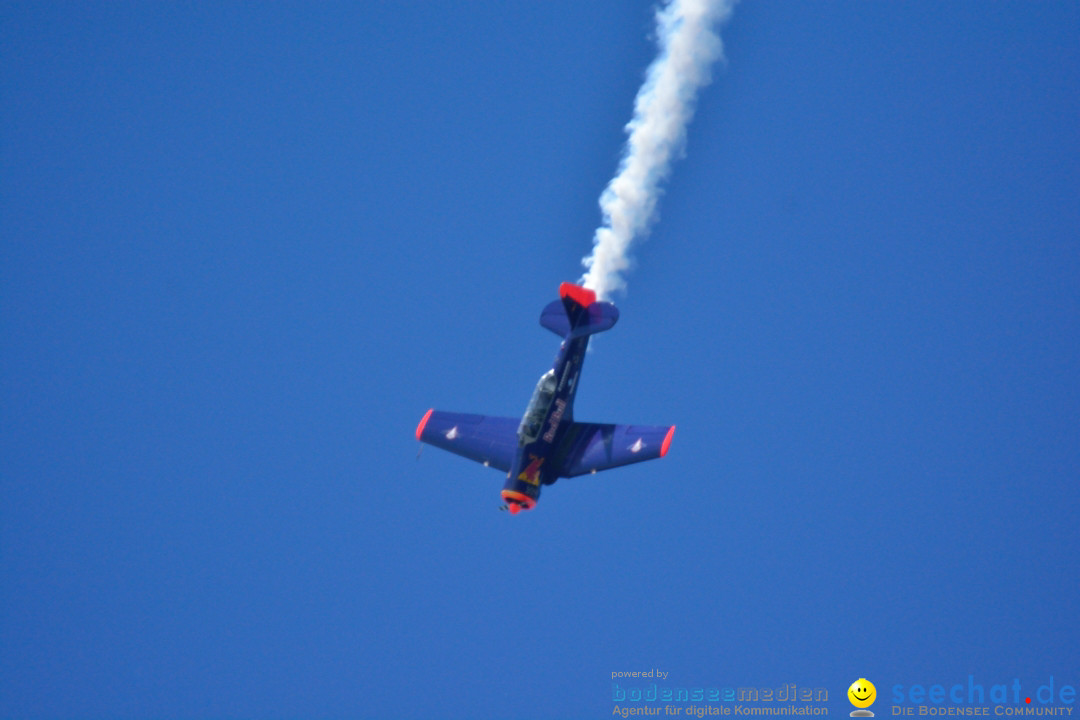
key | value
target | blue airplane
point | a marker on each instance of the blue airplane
(547, 444)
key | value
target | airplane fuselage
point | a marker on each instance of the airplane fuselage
(544, 427)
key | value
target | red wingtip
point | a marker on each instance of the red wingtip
(582, 296)
(667, 441)
(423, 422)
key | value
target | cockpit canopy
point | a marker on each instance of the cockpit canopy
(533, 420)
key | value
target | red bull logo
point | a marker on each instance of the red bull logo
(531, 473)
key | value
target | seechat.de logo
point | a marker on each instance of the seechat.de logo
(862, 695)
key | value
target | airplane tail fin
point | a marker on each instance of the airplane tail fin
(578, 313)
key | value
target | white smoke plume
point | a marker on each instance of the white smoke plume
(664, 106)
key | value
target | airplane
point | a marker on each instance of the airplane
(547, 443)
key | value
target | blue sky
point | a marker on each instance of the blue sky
(245, 248)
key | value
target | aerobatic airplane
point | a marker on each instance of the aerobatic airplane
(547, 444)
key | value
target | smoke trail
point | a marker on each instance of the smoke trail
(662, 109)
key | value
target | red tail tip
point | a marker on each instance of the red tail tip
(582, 296)
(514, 508)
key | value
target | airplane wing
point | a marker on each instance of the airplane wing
(595, 447)
(489, 440)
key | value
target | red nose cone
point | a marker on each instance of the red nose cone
(514, 508)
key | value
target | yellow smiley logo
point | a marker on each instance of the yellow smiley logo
(862, 693)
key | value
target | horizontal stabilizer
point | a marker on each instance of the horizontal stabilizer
(578, 313)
